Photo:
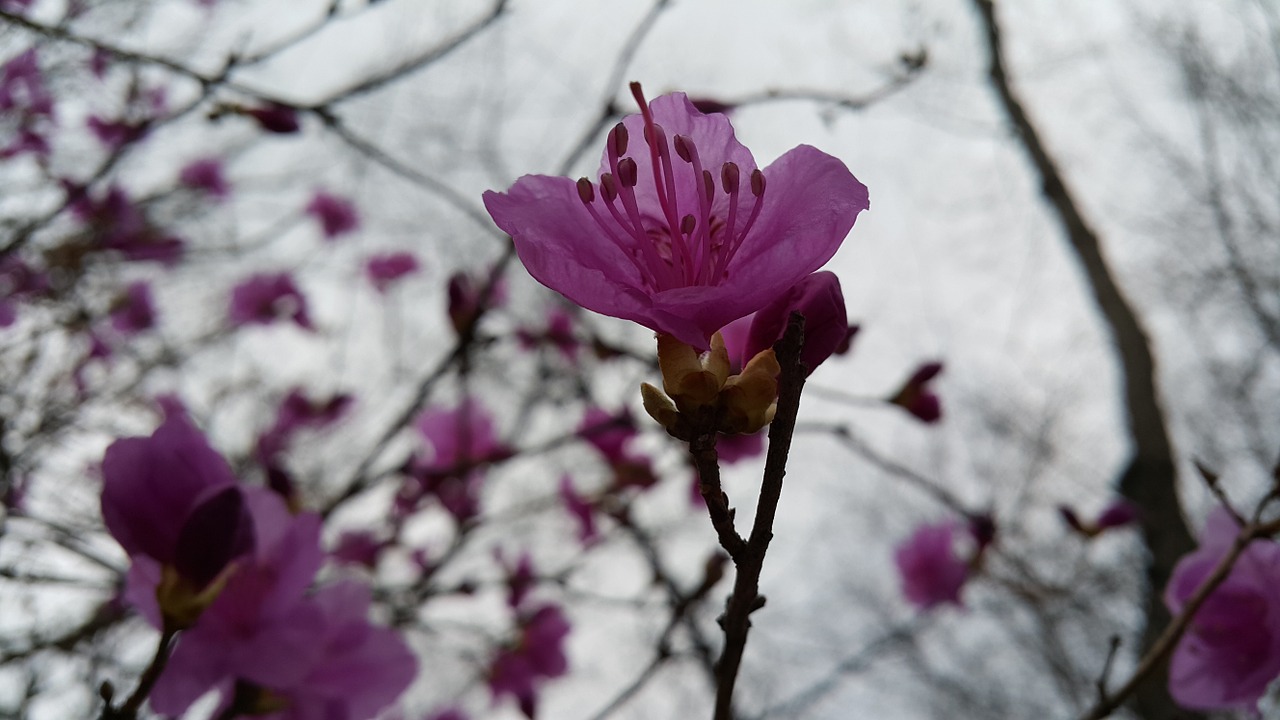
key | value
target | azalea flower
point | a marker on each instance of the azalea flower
(1231, 651)
(206, 175)
(680, 231)
(916, 395)
(383, 270)
(932, 572)
(336, 215)
(537, 654)
(266, 297)
(173, 504)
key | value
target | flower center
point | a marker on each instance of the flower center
(670, 245)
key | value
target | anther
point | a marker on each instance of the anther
(618, 141)
(586, 191)
(708, 185)
(682, 148)
(729, 177)
(627, 172)
(608, 187)
(757, 183)
(688, 224)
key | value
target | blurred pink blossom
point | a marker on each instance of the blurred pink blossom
(265, 298)
(931, 570)
(336, 215)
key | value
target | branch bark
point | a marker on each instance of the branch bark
(1149, 479)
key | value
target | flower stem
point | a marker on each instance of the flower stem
(749, 561)
(129, 710)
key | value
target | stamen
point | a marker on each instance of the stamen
(709, 184)
(618, 139)
(627, 172)
(688, 151)
(757, 189)
(586, 191)
(608, 187)
(729, 177)
(687, 224)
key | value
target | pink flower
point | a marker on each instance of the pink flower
(467, 296)
(206, 175)
(818, 298)
(22, 86)
(733, 448)
(558, 333)
(135, 311)
(681, 235)
(115, 134)
(295, 413)
(336, 215)
(115, 222)
(317, 653)
(383, 270)
(581, 509)
(1231, 651)
(264, 298)
(359, 547)
(610, 433)
(462, 440)
(18, 281)
(538, 654)
(275, 118)
(171, 501)
(917, 397)
(932, 572)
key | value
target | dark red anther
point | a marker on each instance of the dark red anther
(682, 144)
(618, 139)
(757, 183)
(627, 173)
(709, 185)
(586, 191)
(729, 177)
(688, 224)
(608, 187)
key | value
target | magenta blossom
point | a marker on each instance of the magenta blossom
(336, 215)
(205, 175)
(117, 223)
(557, 333)
(582, 510)
(681, 235)
(932, 572)
(610, 433)
(173, 504)
(359, 547)
(135, 311)
(316, 654)
(275, 118)
(818, 298)
(733, 448)
(1231, 652)
(18, 281)
(469, 295)
(264, 298)
(384, 270)
(538, 654)
(916, 395)
(22, 86)
(462, 440)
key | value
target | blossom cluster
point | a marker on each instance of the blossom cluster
(232, 570)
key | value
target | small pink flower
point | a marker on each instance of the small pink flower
(172, 500)
(295, 413)
(359, 547)
(734, 448)
(681, 235)
(558, 333)
(336, 215)
(610, 433)
(467, 295)
(205, 175)
(22, 86)
(537, 655)
(115, 134)
(917, 397)
(116, 223)
(932, 572)
(1231, 652)
(135, 311)
(275, 118)
(264, 298)
(581, 509)
(461, 440)
(384, 270)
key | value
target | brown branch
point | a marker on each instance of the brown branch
(746, 597)
(703, 451)
(1149, 480)
(1154, 659)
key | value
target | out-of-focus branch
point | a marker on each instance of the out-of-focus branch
(1150, 477)
(421, 60)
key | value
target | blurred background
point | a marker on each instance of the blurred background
(1082, 229)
